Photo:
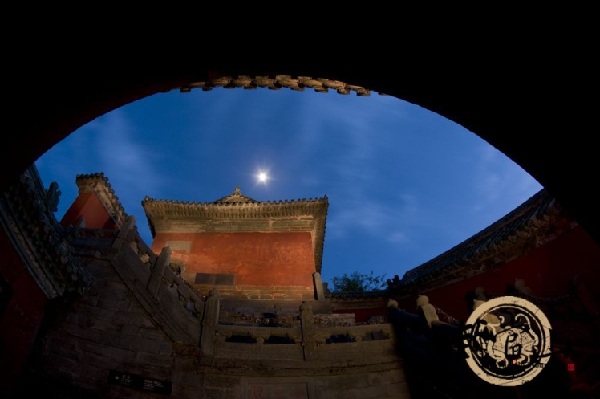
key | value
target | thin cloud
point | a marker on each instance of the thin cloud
(345, 128)
(500, 182)
(383, 221)
(123, 157)
(397, 237)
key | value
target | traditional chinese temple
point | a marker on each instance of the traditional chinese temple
(247, 248)
(227, 301)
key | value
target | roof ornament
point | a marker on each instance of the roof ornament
(235, 198)
(53, 196)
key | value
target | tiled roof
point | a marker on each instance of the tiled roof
(533, 223)
(27, 217)
(296, 83)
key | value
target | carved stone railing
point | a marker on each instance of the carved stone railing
(259, 335)
(301, 339)
(360, 333)
(188, 317)
(169, 301)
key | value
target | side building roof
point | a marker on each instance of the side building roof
(535, 222)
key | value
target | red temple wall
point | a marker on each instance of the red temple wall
(547, 271)
(256, 259)
(91, 209)
(21, 313)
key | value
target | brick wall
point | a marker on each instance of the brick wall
(136, 322)
(282, 259)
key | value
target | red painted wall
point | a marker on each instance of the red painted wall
(546, 270)
(21, 316)
(256, 259)
(91, 209)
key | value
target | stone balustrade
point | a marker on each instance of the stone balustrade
(304, 339)
(258, 335)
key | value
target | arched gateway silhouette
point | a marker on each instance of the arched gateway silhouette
(525, 104)
(540, 124)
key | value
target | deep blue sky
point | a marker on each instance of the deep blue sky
(404, 184)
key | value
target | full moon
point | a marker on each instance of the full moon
(262, 177)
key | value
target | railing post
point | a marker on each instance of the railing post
(209, 323)
(318, 283)
(158, 270)
(308, 331)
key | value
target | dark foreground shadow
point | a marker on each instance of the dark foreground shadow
(435, 365)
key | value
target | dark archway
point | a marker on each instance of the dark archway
(523, 103)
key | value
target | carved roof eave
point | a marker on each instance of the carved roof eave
(276, 82)
(38, 238)
(158, 211)
(536, 222)
(98, 183)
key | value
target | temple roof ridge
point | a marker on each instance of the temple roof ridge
(98, 184)
(235, 198)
